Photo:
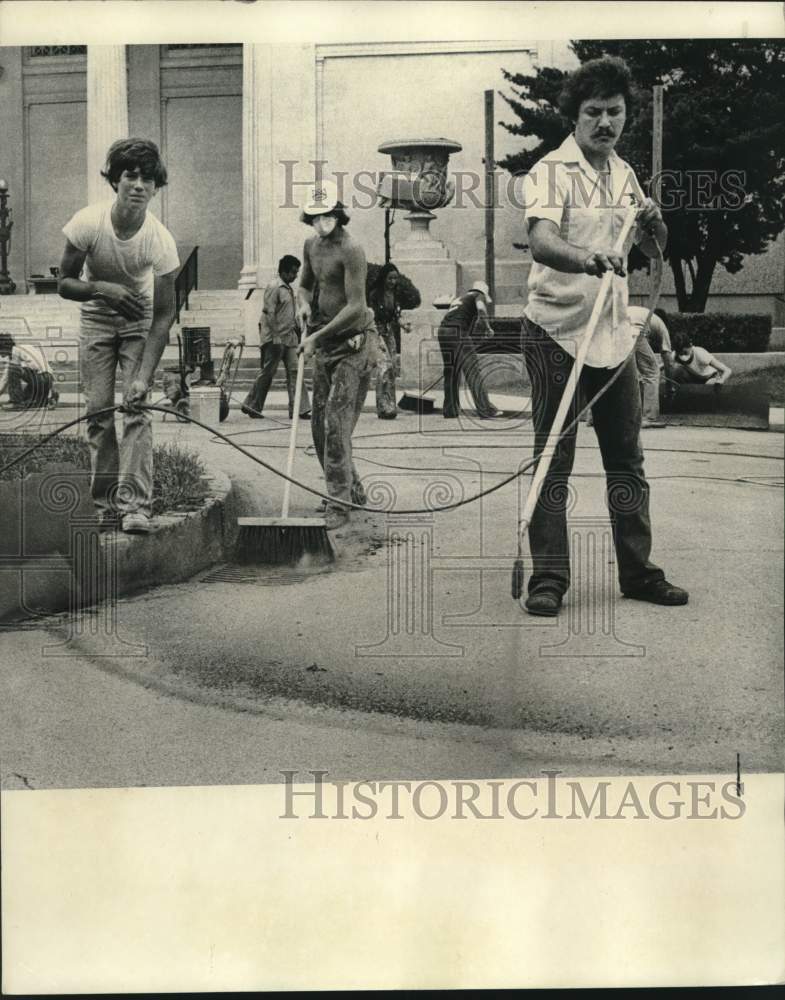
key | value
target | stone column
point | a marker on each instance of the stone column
(107, 111)
(279, 141)
(257, 149)
(279, 137)
(294, 143)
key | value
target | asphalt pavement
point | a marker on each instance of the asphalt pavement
(408, 656)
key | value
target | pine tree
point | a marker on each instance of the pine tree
(723, 185)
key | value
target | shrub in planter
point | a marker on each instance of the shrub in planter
(178, 474)
(721, 332)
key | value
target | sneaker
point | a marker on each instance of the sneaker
(544, 602)
(652, 423)
(136, 523)
(336, 517)
(387, 416)
(659, 592)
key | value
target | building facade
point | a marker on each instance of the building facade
(244, 127)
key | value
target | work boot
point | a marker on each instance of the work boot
(545, 603)
(659, 592)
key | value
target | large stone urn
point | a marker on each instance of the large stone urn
(418, 183)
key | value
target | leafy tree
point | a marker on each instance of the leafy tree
(723, 183)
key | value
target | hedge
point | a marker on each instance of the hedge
(722, 332)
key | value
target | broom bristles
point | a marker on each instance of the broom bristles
(274, 542)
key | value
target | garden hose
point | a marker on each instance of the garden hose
(654, 297)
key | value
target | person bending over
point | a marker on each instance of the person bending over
(25, 375)
(460, 333)
(696, 366)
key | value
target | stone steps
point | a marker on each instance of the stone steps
(66, 372)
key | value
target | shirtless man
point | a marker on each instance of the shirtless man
(342, 341)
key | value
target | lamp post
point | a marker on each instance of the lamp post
(7, 287)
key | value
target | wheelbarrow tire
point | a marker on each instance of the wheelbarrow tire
(223, 407)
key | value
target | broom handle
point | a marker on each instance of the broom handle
(298, 391)
(569, 390)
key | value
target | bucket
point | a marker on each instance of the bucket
(206, 404)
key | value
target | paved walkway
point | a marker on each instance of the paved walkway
(413, 635)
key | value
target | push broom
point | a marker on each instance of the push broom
(554, 435)
(285, 540)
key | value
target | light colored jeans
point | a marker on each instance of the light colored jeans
(649, 377)
(122, 476)
(387, 369)
(340, 386)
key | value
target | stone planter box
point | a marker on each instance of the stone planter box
(52, 557)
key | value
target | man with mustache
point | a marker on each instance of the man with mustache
(576, 200)
(343, 342)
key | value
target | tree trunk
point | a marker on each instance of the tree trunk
(693, 300)
(702, 284)
(678, 280)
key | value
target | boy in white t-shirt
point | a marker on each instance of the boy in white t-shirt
(120, 262)
(697, 366)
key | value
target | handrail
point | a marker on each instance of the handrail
(187, 280)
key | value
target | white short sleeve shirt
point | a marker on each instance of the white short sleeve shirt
(133, 263)
(589, 210)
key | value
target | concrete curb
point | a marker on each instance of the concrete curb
(178, 546)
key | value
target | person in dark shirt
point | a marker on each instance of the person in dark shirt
(387, 298)
(460, 333)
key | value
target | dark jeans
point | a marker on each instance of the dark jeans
(271, 357)
(28, 387)
(617, 421)
(459, 355)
